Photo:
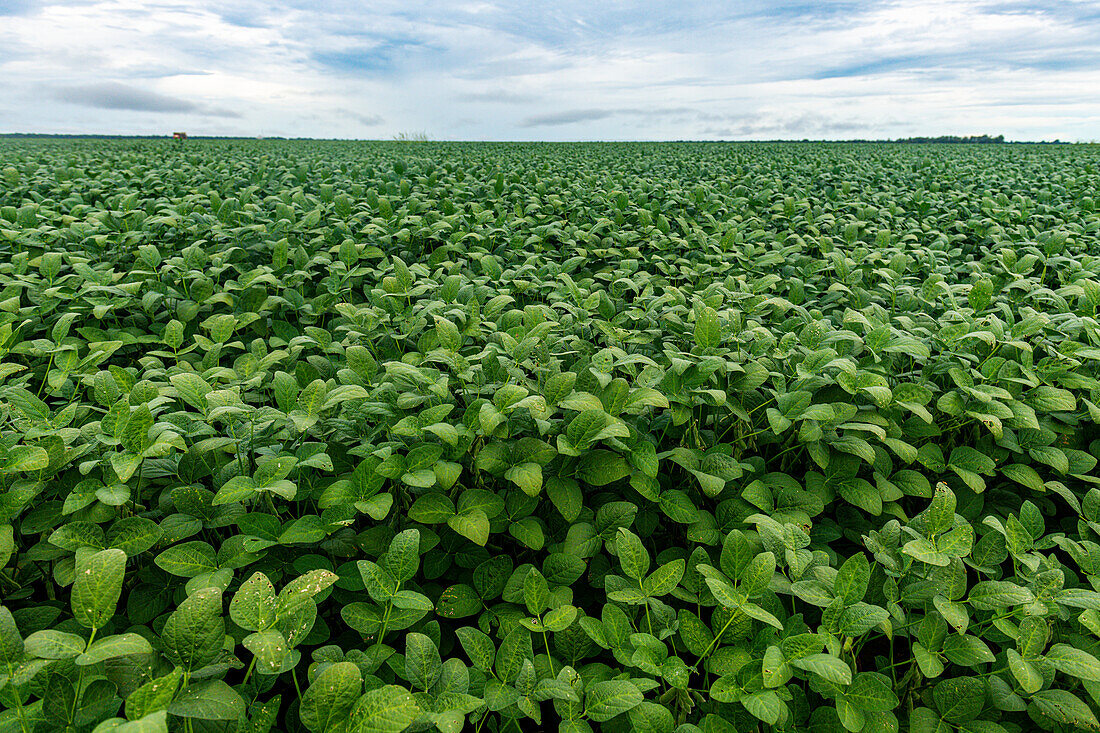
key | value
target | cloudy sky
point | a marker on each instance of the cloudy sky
(562, 70)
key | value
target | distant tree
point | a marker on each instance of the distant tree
(969, 140)
(412, 137)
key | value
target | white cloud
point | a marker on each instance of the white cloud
(568, 70)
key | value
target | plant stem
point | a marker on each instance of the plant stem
(18, 701)
(711, 646)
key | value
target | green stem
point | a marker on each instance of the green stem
(710, 647)
(248, 674)
(18, 701)
(294, 676)
(546, 643)
(385, 622)
(46, 376)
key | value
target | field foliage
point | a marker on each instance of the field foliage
(365, 438)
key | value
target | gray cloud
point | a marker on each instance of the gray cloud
(568, 117)
(571, 116)
(109, 95)
(112, 95)
(366, 120)
(497, 96)
(759, 124)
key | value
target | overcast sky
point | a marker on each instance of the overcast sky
(563, 70)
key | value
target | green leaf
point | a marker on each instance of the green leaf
(192, 389)
(188, 559)
(134, 535)
(97, 588)
(852, 578)
(860, 618)
(155, 695)
(765, 705)
(586, 428)
(959, 699)
(135, 436)
(125, 464)
(387, 709)
(11, 643)
(25, 458)
(301, 590)
(156, 722)
(988, 595)
(940, 515)
(472, 524)
(871, 692)
(380, 585)
(54, 644)
(602, 467)
(708, 330)
(757, 575)
(208, 700)
(632, 554)
(1023, 474)
(311, 399)
(966, 650)
(1064, 707)
(972, 460)
(1074, 662)
(253, 605)
(536, 593)
(527, 476)
(650, 717)
(1025, 673)
(110, 647)
(826, 666)
(664, 579)
(478, 647)
(270, 649)
(775, 671)
(528, 531)
(433, 508)
(331, 696)
(403, 557)
(1051, 399)
(560, 618)
(566, 496)
(422, 661)
(193, 635)
(604, 700)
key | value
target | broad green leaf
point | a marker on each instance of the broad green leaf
(54, 644)
(387, 709)
(1074, 662)
(604, 700)
(208, 700)
(270, 649)
(11, 642)
(188, 559)
(194, 633)
(97, 588)
(422, 661)
(851, 579)
(331, 696)
(826, 666)
(253, 605)
(632, 554)
(110, 647)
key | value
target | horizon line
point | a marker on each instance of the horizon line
(912, 139)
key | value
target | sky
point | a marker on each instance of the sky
(563, 70)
